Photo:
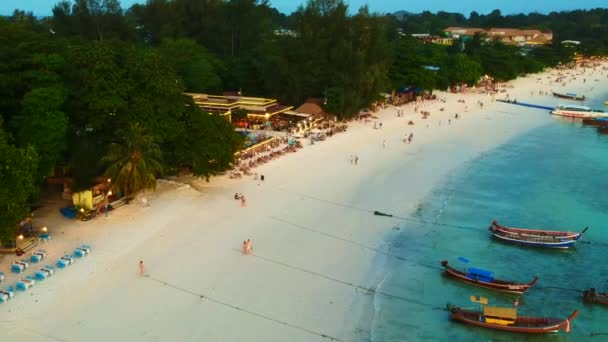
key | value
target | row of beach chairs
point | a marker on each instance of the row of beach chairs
(43, 273)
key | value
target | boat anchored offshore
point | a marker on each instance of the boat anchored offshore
(506, 319)
(535, 237)
(482, 278)
(573, 111)
(569, 96)
(591, 296)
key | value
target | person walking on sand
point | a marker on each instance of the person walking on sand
(141, 268)
(356, 159)
(249, 246)
(243, 200)
(244, 250)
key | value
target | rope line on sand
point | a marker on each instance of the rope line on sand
(253, 313)
(379, 251)
(360, 287)
(349, 206)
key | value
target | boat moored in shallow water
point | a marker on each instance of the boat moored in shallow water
(569, 96)
(574, 111)
(506, 319)
(535, 237)
(485, 279)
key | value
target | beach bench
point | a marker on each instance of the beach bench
(119, 202)
(26, 248)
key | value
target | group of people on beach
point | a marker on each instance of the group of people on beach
(241, 197)
(354, 159)
(247, 247)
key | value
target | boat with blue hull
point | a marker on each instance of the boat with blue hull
(484, 278)
(535, 237)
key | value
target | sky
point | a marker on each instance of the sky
(43, 7)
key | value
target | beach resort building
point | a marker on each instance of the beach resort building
(504, 35)
(428, 38)
(257, 108)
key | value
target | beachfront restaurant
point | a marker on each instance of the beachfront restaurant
(258, 111)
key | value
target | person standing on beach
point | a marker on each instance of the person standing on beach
(244, 250)
(243, 200)
(352, 159)
(356, 159)
(384, 143)
(249, 246)
(141, 268)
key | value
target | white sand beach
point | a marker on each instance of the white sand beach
(311, 221)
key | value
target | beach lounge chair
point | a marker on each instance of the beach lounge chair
(25, 283)
(65, 261)
(40, 275)
(82, 251)
(19, 266)
(45, 237)
(48, 269)
(37, 256)
(6, 295)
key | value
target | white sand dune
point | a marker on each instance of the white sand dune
(314, 235)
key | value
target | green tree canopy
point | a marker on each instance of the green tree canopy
(18, 168)
(134, 162)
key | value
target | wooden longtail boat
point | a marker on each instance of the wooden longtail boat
(506, 319)
(485, 279)
(569, 96)
(599, 122)
(591, 296)
(535, 237)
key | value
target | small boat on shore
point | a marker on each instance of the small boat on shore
(535, 237)
(569, 96)
(485, 279)
(573, 111)
(506, 319)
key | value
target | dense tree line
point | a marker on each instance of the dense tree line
(96, 89)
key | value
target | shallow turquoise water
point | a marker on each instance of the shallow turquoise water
(556, 177)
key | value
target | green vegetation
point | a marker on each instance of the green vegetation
(95, 82)
(17, 171)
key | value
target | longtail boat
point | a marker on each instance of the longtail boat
(483, 278)
(535, 237)
(506, 319)
(591, 296)
(569, 96)
(599, 122)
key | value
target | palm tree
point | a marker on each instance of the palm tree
(135, 162)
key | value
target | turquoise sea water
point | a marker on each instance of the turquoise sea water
(555, 176)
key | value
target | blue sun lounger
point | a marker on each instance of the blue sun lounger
(65, 261)
(84, 250)
(6, 295)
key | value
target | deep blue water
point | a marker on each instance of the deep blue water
(553, 177)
